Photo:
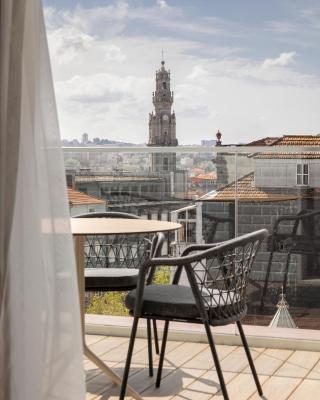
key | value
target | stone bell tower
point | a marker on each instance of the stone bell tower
(162, 123)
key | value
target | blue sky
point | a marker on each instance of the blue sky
(249, 68)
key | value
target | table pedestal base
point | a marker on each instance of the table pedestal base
(108, 371)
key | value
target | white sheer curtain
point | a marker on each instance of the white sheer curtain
(40, 336)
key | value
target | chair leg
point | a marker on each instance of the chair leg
(156, 338)
(247, 350)
(163, 350)
(266, 281)
(149, 334)
(216, 360)
(286, 271)
(129, 357)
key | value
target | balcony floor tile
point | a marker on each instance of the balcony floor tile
(188, 372)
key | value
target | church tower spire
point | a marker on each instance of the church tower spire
(162, 122)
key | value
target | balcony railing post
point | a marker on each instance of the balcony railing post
(236, 194)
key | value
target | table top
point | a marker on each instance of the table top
(117, 226)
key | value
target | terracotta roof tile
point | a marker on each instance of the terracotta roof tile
(208, 176)
(292, 140)
(310, 155)
(246, 192)
(267, 141)
(77, 198)
(298, 140)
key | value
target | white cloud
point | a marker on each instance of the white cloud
(103, 87)
(67, 43)
(104, 77)
(197, 73)
(283, 60)
(113, 53)
(162, 4)
(102, 21)
(280, 27)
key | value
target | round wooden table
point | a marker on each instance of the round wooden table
(117, 226)
(82, 227)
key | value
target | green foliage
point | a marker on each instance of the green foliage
(112, 303)
(162, 276)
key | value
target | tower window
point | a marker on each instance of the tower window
(302, 174)
(164, 85)
(165, 164)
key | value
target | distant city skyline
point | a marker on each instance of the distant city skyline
(249, 69)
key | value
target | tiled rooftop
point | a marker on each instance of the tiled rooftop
(289, 140)
(209, 176)
(298, 140)
(310, 155)
(246, 191)
(189, 372)
(115, 178)
(78, 198)
(267, 141)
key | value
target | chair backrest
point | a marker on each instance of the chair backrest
(107, 214)
(155, 252)
(212, 222)
(218, 275)
(118, 251)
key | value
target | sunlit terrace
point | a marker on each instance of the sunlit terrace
(160, 270)
(237, 202)
(189, 372)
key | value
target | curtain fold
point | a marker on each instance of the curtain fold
(40, 332)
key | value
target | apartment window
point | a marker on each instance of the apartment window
(165, 164)
(302, 174)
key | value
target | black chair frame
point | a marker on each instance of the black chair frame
(234, 260)
(305, 242)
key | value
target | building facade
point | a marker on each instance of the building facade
(280, 184)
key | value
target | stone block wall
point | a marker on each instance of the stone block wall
(255, 216)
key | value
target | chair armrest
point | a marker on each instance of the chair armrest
(199, 247)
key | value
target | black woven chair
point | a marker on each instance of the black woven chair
(121, 273)
(218, 275)
(293, 234)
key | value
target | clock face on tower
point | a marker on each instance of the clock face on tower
(165, 117)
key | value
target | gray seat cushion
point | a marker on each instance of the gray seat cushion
(176, 301)
(110, 278)
(166, 300)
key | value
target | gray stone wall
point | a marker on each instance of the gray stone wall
(225, 166)
(127, 189)
(224, 230)
(282, 173)
(255, 216)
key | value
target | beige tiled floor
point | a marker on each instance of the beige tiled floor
(189, 372)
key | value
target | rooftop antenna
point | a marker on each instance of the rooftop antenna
(162, 62)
